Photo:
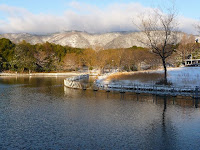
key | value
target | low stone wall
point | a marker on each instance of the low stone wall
(74, 82)
(152, 89)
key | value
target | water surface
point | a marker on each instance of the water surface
(39, 113)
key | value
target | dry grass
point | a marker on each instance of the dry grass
(141, 76)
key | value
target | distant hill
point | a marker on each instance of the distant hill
(82, 39)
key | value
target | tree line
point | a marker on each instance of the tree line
(24, 57)
(48, 57)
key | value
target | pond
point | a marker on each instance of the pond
(40, 113)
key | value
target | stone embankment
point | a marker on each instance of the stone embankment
(151, 89)
(75, 82)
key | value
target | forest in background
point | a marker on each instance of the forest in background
(48, 57)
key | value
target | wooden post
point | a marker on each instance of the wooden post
(196, 91)
(196, 96)
(122, 96)
(84, 87)
(107, 90)
(173, 93)
(95, 87)
(156, 93)
(137, 96)
(122, 89)
(134, 87)
(94, 93)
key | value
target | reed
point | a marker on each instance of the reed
(141, 76)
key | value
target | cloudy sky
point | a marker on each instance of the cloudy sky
(93, 16)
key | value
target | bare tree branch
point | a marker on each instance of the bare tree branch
(159, 28)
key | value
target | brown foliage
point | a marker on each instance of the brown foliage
(70, 61)
(142, 76)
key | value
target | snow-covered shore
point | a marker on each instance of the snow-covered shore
(182, 76)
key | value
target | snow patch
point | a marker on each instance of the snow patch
(179, 77)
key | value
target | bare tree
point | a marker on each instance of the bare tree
(160, 31)
(186, 46)
(89, 58)
(70, 62)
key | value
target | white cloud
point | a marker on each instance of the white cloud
(188, 25)
(117, 17)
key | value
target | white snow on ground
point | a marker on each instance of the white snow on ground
(183, 76)
(102, 79)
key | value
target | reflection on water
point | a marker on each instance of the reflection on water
(40, 113)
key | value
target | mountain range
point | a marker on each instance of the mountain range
(82, 39)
